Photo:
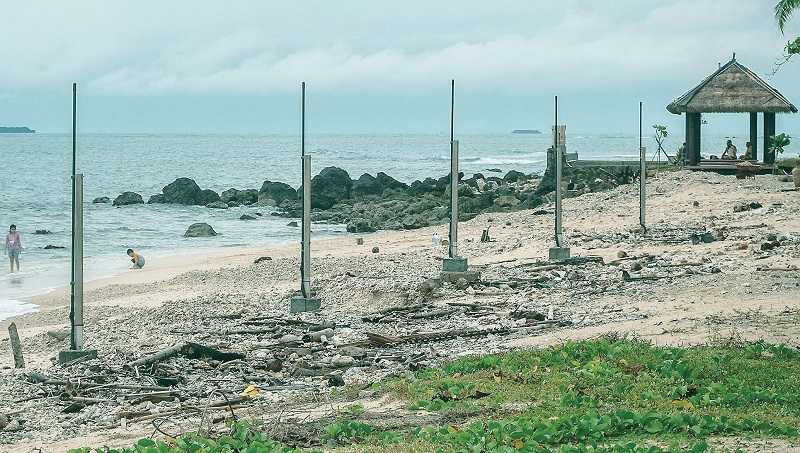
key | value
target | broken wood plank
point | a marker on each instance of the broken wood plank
(188, 349)
(16, 346)
(787, 268)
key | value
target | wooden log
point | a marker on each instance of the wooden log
(16, 346)
(189, 349)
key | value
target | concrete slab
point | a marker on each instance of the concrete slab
(453, 277)
(559, 253)
(70, 354)
(454, 265)
(301, 304)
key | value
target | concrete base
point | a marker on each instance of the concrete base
(559, 253)
(457, 264)
(70, 355)
(453, 277)
(300, 304)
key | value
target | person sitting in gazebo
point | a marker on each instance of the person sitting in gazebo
(748, 153)
(730, 151)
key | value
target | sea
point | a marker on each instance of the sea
(35, 188)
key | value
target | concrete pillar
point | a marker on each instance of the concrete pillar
(769, 131)
(754, 134)
(77, 263)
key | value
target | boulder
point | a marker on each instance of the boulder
(387, 182)
(128, 198)
(217, 205)
(360, 226)
(247, 217)
(157, 199)
(366, 184)
(184, 191)
(422, 187)
(230, 195)
(199, 230)
(101, 200)
(207, 196)
(329, 187)
(277, 191)
(515, 176)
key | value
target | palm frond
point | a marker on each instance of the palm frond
(784, 10)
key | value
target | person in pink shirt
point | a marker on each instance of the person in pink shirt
(13, 246)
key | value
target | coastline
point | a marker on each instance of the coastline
(691, 293)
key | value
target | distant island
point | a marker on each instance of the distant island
(16, 130)
(526, 131)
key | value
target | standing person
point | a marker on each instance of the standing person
(13, 246)
(136, 258)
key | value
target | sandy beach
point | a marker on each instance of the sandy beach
(738, 280)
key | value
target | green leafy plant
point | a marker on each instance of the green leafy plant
(777, 143)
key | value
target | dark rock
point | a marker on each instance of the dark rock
(292, 224)
(745, 206)
(375, 250)
(360, 226)
(365, 185)
(330, 186)
(387, 182)
(335, 380)
(42, 232)
(506, 201)
(277, 191)
(53, 247)
(423, 187)
(234, 204)
(208, 196)
(705, 238)
(184, 191)
(128, 198)
(514, 176)
(494, 170)
(217, 205)
(261, 259)
(157, 199)
(197, 230)
(101, 200)
(246, 217)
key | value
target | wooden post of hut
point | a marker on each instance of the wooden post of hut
(733, 88)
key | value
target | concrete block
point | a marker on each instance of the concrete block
(454, 265)
(452, 277)
(559, 253)
(300, 304)
(70, 354)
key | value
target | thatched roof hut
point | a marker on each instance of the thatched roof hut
(733, 88)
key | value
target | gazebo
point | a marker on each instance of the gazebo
(733, 88)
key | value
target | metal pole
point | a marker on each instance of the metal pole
(642, 174)
(77, 264)
(73, 342)
(306, 240)
(454, 179)
(452, 106)
(558, 156)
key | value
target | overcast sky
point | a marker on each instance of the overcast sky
(374, 66)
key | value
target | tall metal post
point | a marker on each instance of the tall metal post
(77, 349)
(306, 300)
(642, 175)
(560, 252)
(454, 180)
(73, 342)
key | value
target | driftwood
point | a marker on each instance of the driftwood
(386, 340)
(16, 346)
(433, 313)
(787, 268)
(188, 349)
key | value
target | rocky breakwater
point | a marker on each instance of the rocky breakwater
(381, 202)
(185, 191)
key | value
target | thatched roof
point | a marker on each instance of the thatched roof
(732, 89)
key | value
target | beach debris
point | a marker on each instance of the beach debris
(359, 241)
(16, 346)
(787, 268)
(746, 206)
(188, 349)
(42, 232)
(53, 247)
(199, 230)
(261, 259)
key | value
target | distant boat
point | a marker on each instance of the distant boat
(526, 131)
(16, 130)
